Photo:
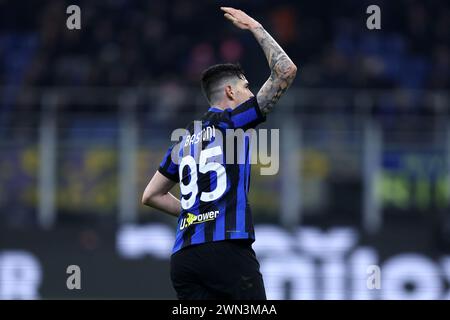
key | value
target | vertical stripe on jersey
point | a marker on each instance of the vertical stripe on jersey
(204, 184)
(199, 234)
(219, 231)
(248, 168)
(207, 184)
(179, 244)
(247, 162)
(230, 210)
(189, 231)
(241, 197)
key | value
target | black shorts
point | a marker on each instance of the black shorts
(217, 270)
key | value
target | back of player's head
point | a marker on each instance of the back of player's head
(215, 77)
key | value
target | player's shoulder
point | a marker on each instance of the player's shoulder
(218, 119)
(249, 104)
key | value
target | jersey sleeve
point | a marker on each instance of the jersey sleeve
(247, 115)
(168, 168)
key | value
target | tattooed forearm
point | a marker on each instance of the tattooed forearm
(272, 90)
(271, 48)
(283, 71)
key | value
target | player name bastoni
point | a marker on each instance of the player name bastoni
(206, 134)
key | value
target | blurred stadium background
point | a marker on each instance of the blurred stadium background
(86, 115)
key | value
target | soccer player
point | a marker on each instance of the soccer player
(212, 257)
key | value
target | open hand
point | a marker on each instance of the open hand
(240, 19)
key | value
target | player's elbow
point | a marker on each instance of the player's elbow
(145, 199)
(148, 198)
(293, 70)
(290, 71)
(286, 69)
(288, 75)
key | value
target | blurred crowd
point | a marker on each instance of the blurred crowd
(168, 43)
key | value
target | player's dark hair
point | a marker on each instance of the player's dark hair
(214, 74)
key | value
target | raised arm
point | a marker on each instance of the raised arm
(283, 70)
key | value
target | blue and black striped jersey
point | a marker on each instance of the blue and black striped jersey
(212, 165)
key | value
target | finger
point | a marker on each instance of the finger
(230, 17)
(228, 9)
(233, 20)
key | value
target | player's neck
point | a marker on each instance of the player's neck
(223, 105)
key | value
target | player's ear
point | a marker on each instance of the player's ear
(229, 92)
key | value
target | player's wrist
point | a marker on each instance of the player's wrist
(255, 27)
